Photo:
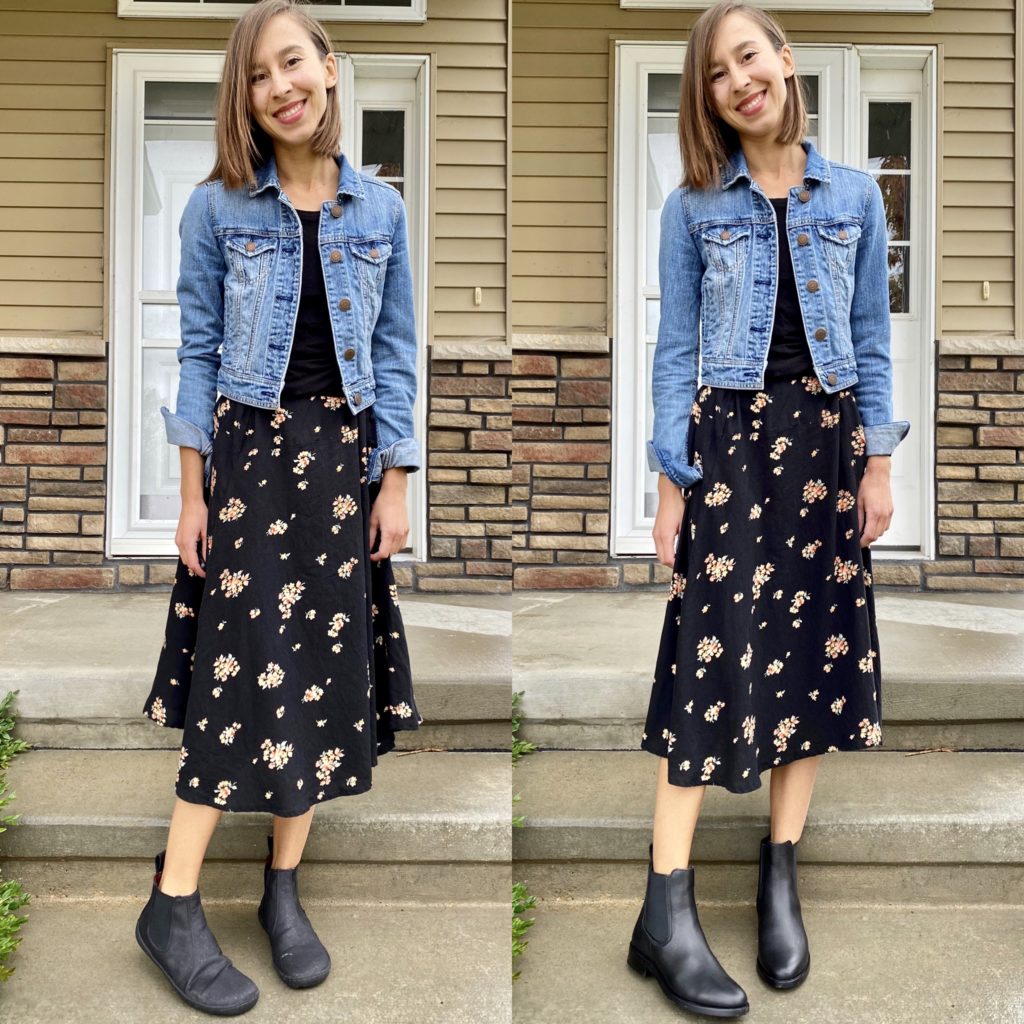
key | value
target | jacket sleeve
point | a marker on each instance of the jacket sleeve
(676, 354)
(393, 353)
(870, 330)
(201, 301)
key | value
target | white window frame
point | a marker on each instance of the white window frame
(865, 6)
(630, 532)
(126, 533)
(416, 12)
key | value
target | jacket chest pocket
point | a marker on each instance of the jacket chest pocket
(839, 243)
(726, 246)
(250, 260)
(727, 249)
(369, 262)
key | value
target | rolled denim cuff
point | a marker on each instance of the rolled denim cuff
(403, 452)
(185, 433)
(882, 438)
(680, 474)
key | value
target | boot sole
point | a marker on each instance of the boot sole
(217, 1011)
(770, 979)
(639, 963)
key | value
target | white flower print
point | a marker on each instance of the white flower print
(183, 611)
(276, 755)
(871, 732)
(761, 576)
(774, 668)
(233, 509)
(349, 435)
(276, 528)
(718, 495)
(670, 737)
(718, 568)
(312, 693)
(157, 711)
(748, 728)
(224, 667)
(227, 735)
(779, 447)
(810, 550)
(224, 789)
(858, 439)
(271, 677)
(290, 593)
(829, 419)
(837, 705)
(783, 731)
(233, 583)
(338, 622)
(343, 507)
(709, 648)
(711, 715)
(814, 490)
(755, 512)
(836, 645)
(845, 501)
(844, 571)
(866, 664)
(710, 764)
(302, 461)
(326, 763)
(747, 657)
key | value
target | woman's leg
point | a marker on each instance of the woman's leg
(192, 826)
(676, 809)
(290, 836)
(791, 788)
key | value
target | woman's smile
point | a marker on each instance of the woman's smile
(291, 113)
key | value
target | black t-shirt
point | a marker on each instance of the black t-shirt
(313, 364)
(788, 353)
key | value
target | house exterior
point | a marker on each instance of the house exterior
(106, 126)
(928, 96)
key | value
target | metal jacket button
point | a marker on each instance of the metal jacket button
(349, 353)
(345, 305)
(812, 285)
(820, 333)
(250, 246)
(335, 210)
(844, 234)
(831, 378)
(357, 398)
(802, 239)
(804, 196)
(374, 253)
(335, 256)
(725, 236)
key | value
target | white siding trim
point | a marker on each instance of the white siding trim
(416, 12)
(865, 6)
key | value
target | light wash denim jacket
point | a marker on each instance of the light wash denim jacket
(239, 288)
(718, 270)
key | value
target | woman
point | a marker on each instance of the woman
(774, 477)
(284, 660)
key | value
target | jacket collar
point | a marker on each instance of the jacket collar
(349, 182)
(817, 166)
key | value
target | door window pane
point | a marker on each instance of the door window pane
(889, 136)
(384, 145)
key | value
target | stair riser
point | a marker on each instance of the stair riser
(737, 883)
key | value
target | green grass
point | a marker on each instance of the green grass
(521, 898)
(12, 896)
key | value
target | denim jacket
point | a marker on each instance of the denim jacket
(239, 288)
(718, 270)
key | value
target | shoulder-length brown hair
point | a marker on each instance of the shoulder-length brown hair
(705, 140)
(242, 145)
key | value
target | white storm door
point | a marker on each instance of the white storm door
(647, 168)
(162, 144)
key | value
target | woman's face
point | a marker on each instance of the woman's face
(748, 77)
(289, 81)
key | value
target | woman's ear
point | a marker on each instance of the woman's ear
(330, 70)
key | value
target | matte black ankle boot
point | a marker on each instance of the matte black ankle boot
(299, 956)
(783, 956)
(669, 943)
(173, 932)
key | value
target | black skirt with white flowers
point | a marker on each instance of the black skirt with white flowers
(287, 667)
(769, 651)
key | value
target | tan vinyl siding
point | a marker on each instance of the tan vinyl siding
(54, 74)
(561, 212)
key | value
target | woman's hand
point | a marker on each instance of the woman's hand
(191, 536)
(671, 506)
(874, 500)
(388, 517)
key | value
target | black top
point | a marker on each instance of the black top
(788, 354)
(312, 365)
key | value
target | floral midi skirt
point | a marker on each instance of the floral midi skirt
(769, 650)
(287, 666)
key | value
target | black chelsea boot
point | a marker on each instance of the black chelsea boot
(299, 956)
(173, 933)
(783, 955)
(669, 943)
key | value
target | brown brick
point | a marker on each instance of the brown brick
(568, 415)
(81, 369)
(12, 493)
(535, 432)
(598, 472)
(444, 366)
(457, 529)
(597, 367)
(488, 568)
(62, 579)
(80, 396)
(66, 488)
(534, 366)
(984, 363)
(490, 440)
(501, 477)
(1012, 547)
(466, 494)
(65, 504)
(26, 401)
(975, 381)
(445, 440)
(1001, 472)
(53, 522)
(569, 578)
(581, 558)
(895, 574)
(447, 404)
(1007, 565)
(501, 549)
(534, 398)
(1010, 419)
(65, 543)
(960, 436)
(26, 557)
(984, 547)
(502, 513)
(77, 558)
(472, 547)
(532, 415)
(13, 515)
(467, 386)
(578, 451)
(131, 575)
(952, 362)
(556, 522)
(571, 486)
(1009, 526)
(944, 415)
(83, 436)
(448, 514)
(585, 501)
(636, 573)
(996, 584)
(9, 416)
(499, 422)
(975, 455)
(584, 392)
(440, 569)
(952, 398)
(475, 366)
(455, 419)
(26, 369)
(1001, 401)
(55, 473)
(1010, 511)
(587, 433)
(956, 472)
(464, 586)
(521, 473)
(162, 572)
(568, 542)
(10, 542)
(1013, 362)
(951, 545)
(18, 435)
(447, 476)
(56, 455)
(89, 418)
(1001, 437)
(951, 566)
(541, 470)
(490, 405)
(13, 474)
(64, 419)
(403, 576)
(443, 547)
(956, 509)
(467, 459)
(965, 526)
(963, 491)
(597, 415)
(533, 557)
(93, 473)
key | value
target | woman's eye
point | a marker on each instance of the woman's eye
(749, 53)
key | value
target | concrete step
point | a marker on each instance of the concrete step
(435, 963)
(902, 827)
(84, 665)
(870, 964)
(424, 807)
(952, 668)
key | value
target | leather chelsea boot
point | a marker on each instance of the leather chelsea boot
(173, 932)
(669, 943)
(783, 956)
(299, 956)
